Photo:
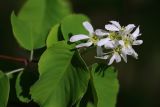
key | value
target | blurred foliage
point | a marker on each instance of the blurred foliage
(4, 87)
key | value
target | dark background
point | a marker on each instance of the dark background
(139, 79)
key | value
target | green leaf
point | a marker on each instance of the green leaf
(22, 34)
(19, 90)
(35, 19)
(90, 104)
(53, 35)
(63, 78)
(72, 25)
(4, 89)
(106, 85)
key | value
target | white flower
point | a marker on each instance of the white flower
(116, 57)
(111, 41)
(107, 42)
(134, 36)
(116, 33)
(115, 26)
(101, 32)
(92, 38)
(114, 45)
(120, 40)
(128, 41)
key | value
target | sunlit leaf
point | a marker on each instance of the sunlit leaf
(53, 36)
(63, 78)
(35, 19)
(106, 85)
(22, 34)
(72, 25)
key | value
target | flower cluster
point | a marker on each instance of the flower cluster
(114, 43)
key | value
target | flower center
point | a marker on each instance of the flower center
(117, 49)
(123, 28)
(94, 39)
(114, 36)
(127, 41)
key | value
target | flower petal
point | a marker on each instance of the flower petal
(111, 27)
(129, 50)
(121, 42)
(137, 42)
(103, 57)
(117, 57)
(124, 50)
(124, 56)
(110, 44)
(135, 34)
(100, 32)
(103, 41)
(84, 45)
(116, 24)
(99, 51)
(112, 59)
(75, 38)
(135, 55)
(129, 27)
(88, 27)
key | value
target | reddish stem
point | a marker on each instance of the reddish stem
(14, 59)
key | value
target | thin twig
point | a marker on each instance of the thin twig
(14, 71)
(14, 59)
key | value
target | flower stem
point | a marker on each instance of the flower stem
(15, 71)
(31, 56)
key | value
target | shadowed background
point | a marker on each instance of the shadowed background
(139, 79)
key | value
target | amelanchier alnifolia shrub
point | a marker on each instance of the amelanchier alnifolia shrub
(59, 76)
(112, 43)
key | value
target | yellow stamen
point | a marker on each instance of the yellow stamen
(94, 39)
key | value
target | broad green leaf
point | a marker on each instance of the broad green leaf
(63, 78)
(4, 89)
(22, 32)
(35, 19)
(90, 105)
(72, 25)
(19, 90)
(53, 36)
(106, 85)
(90, 98)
